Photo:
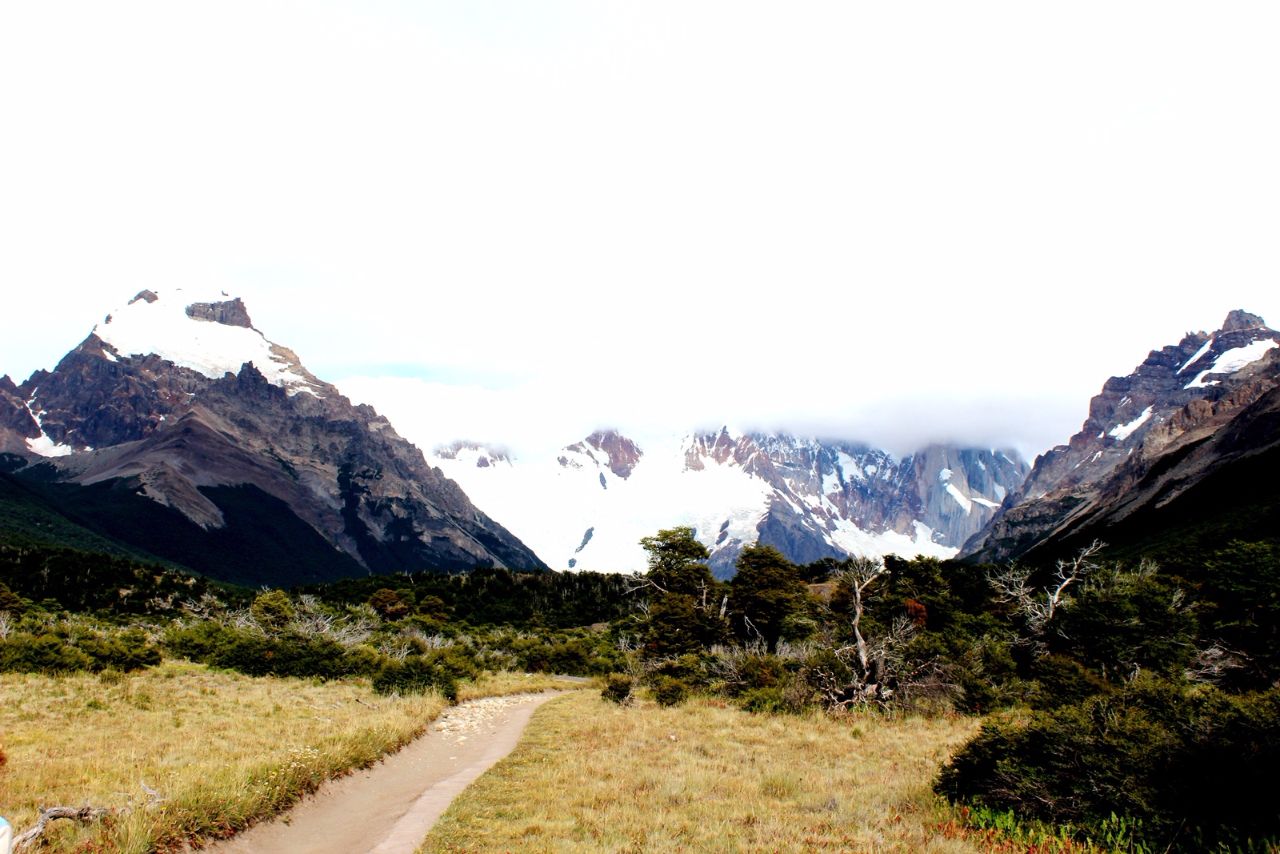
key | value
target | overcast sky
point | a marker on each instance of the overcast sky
(519, 220)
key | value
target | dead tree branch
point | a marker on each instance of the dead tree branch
(1037, 606)
(84, 815)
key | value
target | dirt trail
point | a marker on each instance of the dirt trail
(388, 809)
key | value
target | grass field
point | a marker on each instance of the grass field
(221, 749)
(592, 776)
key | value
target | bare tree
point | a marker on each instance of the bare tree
(1214, 662)
(870, 666)
(857, 575)
(1038, 604)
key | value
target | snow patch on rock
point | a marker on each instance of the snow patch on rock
(1233, 360)
(161, 325)
(1123, 431)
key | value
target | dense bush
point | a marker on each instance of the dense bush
(669, 691)
(415, 674)
(617, 688)
(693, 670)
(492, 597)
(580, 652)
(284, 654)
(123, 651)
(1121, 622)
(1193, 765)
(22, 652)
(67, 649)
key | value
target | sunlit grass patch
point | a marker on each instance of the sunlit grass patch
(590, 776)
(505, 683)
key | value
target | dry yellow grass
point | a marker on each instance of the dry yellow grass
(222, 749)
(592, 776)
(503, 684)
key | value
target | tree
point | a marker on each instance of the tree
(686, 606)
(765, 592)
(676, 563)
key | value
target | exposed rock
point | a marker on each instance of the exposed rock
(1240, 319)
(482, 455)
(16, 422)
(229, 313)
(619, 454)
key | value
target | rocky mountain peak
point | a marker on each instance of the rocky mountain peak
(176, 402)
(604, 449)
(1240, 320)
(208, 333)
(587, 505)
(1179, 395)
(622, 453)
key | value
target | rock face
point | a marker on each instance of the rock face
(588, 505)
(173, 398)
(618, 453)
(227, 312)
(1143, 424)
(17, 424)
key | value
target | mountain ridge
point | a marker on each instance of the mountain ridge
(176, 395)
(1139, 425)
(810, 498)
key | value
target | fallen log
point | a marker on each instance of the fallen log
(83, 814)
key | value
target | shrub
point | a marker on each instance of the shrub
(576, 656)
(1189, 766)
(287, 654)
(617, 688)
(272, 610)
(10, 601)
(388, 604)
(125, 651)
(44, 653)
(669, 691)
(415, 674)
(1062, 681)
(689, 669)
(769, 700)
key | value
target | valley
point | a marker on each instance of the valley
(221, 577)
(639, 427)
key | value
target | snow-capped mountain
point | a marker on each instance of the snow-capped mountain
(1140, 429)
(587, 506)
(177, 399)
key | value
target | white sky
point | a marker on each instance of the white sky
(519, 221)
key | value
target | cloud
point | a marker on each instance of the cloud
(886, 222)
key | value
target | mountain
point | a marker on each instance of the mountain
(178, 428)
(1190, 419)
(587, 506)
